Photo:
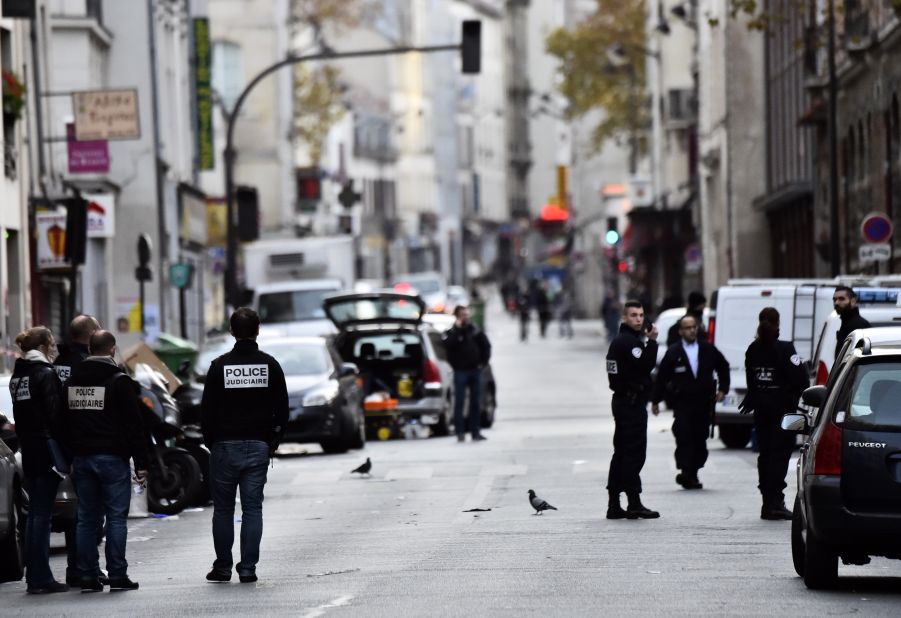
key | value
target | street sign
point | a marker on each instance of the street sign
(876, 228)
(181, 274)
(106, 114)
(348, 197)
(875, 252)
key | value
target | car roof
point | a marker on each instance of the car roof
(299, 285)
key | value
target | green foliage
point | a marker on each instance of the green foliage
(590, 81)
(317, 101)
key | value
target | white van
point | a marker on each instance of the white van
(803, 305)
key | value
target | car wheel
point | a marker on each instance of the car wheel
(171, 493)
(341, 444)
(820, 564)
(798, 538)
(735, 436)
(12, 548)
(442, 427)
(489, 405)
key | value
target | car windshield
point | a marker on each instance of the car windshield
(875, 396)
(386, 347)
(300, 359)
(292, 306)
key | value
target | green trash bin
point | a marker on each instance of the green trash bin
(173, 351)
(477, 312)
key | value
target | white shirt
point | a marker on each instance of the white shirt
(691, 351)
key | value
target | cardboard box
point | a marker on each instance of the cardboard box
(141, 353)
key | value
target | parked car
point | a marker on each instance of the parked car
(456, 295)
(12, 507)
(431, 286)
(488, 400)
(848, 504)
(823, 358)
(383, 333)
(294, 308)
(211, 349)
(325, 399)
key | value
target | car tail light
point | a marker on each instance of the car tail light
(822, 373)
(827, 458)
(430, 374)
(711, 329)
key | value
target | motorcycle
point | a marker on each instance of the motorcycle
(175, 479)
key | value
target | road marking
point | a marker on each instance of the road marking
(424, 472)
(320, 611)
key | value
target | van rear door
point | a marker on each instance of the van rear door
(871, 437)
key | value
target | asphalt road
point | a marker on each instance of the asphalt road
(400, 543)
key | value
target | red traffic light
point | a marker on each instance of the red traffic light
(622, 266)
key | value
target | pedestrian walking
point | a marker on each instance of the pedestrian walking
(104, 432)
(565, 312)
(686, 381)
(37, 396)
(71, 355)
(610, 314)
(776, 376)
(468, 351)
(696, 303)
(244, 415)
(524, 308)
(844, 301)
(630, 361)
(542, 307)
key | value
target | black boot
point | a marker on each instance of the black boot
(690, 480)
(614, 510)
(636, 510)
(773, 509)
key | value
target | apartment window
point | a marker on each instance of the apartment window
(94, 8)
(228, 73)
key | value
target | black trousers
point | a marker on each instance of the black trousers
(691, 426)
(776, 447)
(630, 445)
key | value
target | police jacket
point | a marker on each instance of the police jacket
(244, 397)
(70, 356)
(851, 320)
(102, 412)
(467, 347)
(630, 362)
(775, 376)
(37, 396)
(676, 382)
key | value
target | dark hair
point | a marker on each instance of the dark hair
(102, 343)
(459, 309)
(768, 328)
(245, 323)
(632, 304)
(32, 338)
(695, 299)
(687, 315)
(845, 288)
(82, 327)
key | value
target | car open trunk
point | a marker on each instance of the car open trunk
(388, 362)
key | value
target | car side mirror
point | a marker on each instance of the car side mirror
(348, 369)
(815, 396)
(796, 423)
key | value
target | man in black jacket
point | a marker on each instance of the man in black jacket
(685, 381)
(629, 364)
(844, 300)
(244, 414)
(468, 351)
(105, 430)
(696, 303)
(76, 350)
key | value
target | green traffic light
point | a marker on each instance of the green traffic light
(612, 237)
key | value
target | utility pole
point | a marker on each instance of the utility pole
(834, 257)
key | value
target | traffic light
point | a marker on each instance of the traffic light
(348, 197)
(612, 235)
(76, 229)
(248, 213)
(471, 47)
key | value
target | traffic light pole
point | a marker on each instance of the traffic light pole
(231, 249)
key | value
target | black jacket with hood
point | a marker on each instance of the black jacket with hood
(71, 355)
(37, 396)
(467, 347)
(102, 412)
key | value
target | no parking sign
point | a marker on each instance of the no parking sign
(876, 228)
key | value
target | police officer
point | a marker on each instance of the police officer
(105, 431)
(73, 353)
(775, 377)
(685, 381)
(629, 364)
(244, 415)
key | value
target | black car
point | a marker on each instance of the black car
(324, 394)
(12, 507)
(848, 505)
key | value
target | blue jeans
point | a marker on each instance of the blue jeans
(41, 495)
(467, 379)
(234, 464)
(103, 483)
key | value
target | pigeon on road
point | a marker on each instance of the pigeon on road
(364, 468)
(538, 504)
